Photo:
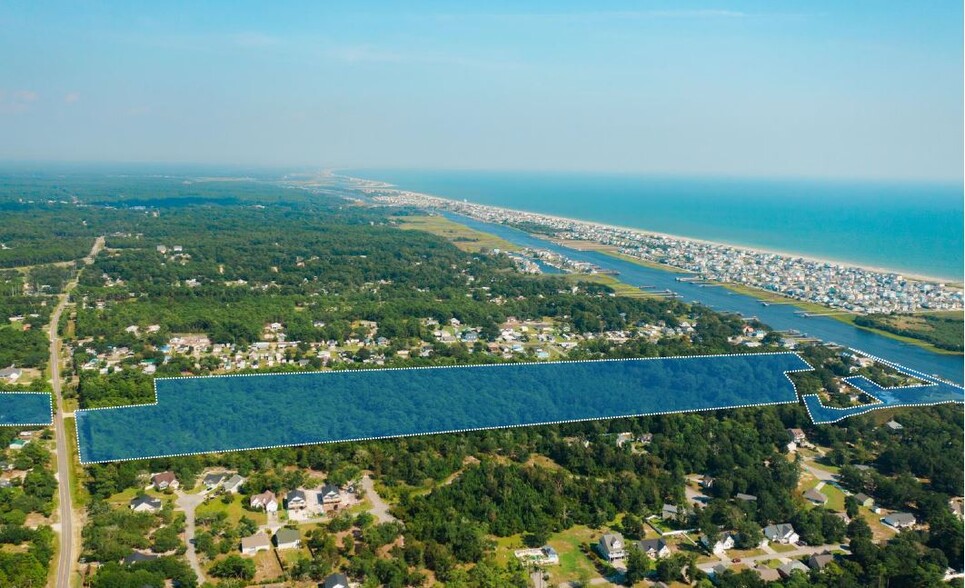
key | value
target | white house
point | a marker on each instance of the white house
(783, 533)
(612, 546)
(266, 500)
(723, 543)
(255, 543)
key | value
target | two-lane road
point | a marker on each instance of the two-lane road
(66, 561)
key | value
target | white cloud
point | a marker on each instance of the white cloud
(17, 101)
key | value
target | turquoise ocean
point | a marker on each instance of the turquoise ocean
(913, 228)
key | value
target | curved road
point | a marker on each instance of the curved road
(66, 561)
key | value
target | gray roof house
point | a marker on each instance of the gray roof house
(255, 543)
(145, 504)
(233, 484)
(612, 546)
(864, 500)
(654, 548)
(213, 480)
(783, 533)
(792, 566)
(746, 497)
(900, 520)
(335, 581)
(816, 497)
(286, 538)
(296, 500)
(818, 561)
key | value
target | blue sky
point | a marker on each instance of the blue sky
(772, 88)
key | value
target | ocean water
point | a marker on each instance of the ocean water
(913, 228)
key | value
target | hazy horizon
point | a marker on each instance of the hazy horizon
(800, 90)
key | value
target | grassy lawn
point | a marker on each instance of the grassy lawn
(235, 510)
(505, 547)
(266, 566)
(835, 498)
(461, 236)
(781, 548)
(573, 562)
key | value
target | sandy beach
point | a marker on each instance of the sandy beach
(370, 184)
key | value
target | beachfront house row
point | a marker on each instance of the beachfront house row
(612, 546)
(255, 543)
(265, 501)
(783, 533)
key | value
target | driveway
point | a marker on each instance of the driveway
(380, 510)
(188, 503)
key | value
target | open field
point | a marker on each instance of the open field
(235, 510)
(574, 564)
(460, 235)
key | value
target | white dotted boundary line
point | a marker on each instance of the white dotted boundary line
(466, 430)
(50, 398)
(878, 404)
(436, 367)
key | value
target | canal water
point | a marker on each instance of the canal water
(778, 316)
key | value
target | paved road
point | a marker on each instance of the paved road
(379, 507)
(785, 556)
(188, 503)
(67, 538)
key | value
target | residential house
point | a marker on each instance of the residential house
(612, 546)
(706, 482)
(900, 520)
(654, 548)
(213, 480)
(330, 494)
(815, 497)
(819, 561)
(746, 497)
(788, 569)
(145, 504)
(255, 543)
(11, 374)
(894, 425)
(296, 500)
(545, 555)
(165, 480)
(796, 436)
(265, 501)
(724, 543)
(286, 538)
(18, 443)
(669, 512)
(783, 533)
(864, 500)
(335, 581)
(233, 484)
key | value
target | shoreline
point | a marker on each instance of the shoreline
(951, 282)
